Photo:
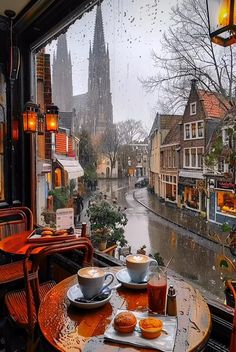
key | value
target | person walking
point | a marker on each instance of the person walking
(79, 206)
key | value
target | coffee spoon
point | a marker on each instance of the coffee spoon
(99, 296)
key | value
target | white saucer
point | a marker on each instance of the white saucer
(75, 292)
(123, 277)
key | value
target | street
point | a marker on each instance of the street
(195, 258)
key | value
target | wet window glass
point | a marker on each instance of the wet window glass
(94, 72)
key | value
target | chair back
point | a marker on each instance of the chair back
(15, 220)
(31, 277)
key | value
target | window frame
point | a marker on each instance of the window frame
(193, 108)
(197, 123)
(190, 166)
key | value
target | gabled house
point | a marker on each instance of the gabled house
(160, 128)
(203, 113)
(169, 168)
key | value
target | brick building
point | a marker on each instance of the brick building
(203, 113)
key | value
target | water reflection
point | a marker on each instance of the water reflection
(195, 258)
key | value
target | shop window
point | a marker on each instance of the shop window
(58, 181)
(186, 158)
(226, 202)
(200, 129)
(193, 157)
(193, 108)
(193, 130)
(187, 131)
(200, 157)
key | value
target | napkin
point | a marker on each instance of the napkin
(163, 343)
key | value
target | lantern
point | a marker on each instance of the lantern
(30, 117)
(222, 21)
(52, 118)
(15, 130)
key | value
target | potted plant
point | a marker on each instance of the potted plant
(107, 223)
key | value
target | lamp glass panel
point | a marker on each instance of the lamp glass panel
(51, 122)
(30, 121)
(219, 14)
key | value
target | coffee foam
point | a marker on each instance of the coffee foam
(137, 259)
(91, 272)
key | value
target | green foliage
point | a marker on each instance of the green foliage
(159, 259)
(213, 156)
(107, 222)
(90, 173)
(88, 156)
(72, 187)
(60, 197)
(225, 227)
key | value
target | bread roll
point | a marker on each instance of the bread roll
(125, 322)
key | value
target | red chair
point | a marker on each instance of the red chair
(14, 220)
(23, 305)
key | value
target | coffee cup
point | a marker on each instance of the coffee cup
(137, 266)
(92, 281)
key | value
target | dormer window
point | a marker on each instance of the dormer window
(193, 108)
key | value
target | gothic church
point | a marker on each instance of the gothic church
(93, 109)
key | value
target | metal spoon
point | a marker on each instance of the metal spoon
(99, 296)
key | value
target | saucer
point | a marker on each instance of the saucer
(75, 292)
(123, 277)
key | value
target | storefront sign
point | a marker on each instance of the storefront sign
(64, 218)
(187, 181)
(226, 185)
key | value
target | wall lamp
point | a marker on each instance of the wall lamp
(222, 21)
(34, 121)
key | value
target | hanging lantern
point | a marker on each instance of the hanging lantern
(30, 117)
(15, 130)
(52, 118)
(222, 21)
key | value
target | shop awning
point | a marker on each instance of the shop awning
(72, 167)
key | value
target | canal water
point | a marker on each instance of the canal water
(193, 257)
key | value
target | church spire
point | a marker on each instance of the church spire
(99, 47)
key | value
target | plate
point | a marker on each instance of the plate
(75, 292)
(123, 277)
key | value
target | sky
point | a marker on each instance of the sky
(133, 29)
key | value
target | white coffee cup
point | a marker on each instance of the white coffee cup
(137, 266)
(92, 281)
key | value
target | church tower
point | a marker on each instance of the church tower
(62, 76)
(99, 104)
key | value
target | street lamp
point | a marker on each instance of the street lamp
(222, 21)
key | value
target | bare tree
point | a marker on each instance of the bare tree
(131, 131)
(188, 53)
(110, 144)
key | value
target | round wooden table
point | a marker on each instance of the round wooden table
(67, 328)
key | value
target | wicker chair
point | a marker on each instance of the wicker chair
(23, 305)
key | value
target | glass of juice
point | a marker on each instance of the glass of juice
(156, 290)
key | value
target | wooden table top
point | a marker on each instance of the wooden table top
(69, 328)
(18, 244)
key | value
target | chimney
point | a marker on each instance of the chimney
(193, 83)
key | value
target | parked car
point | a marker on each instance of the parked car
(141, 182)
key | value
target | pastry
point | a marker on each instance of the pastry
(150, 327)
(125, 322)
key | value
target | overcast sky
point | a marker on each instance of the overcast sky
(132, 29)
